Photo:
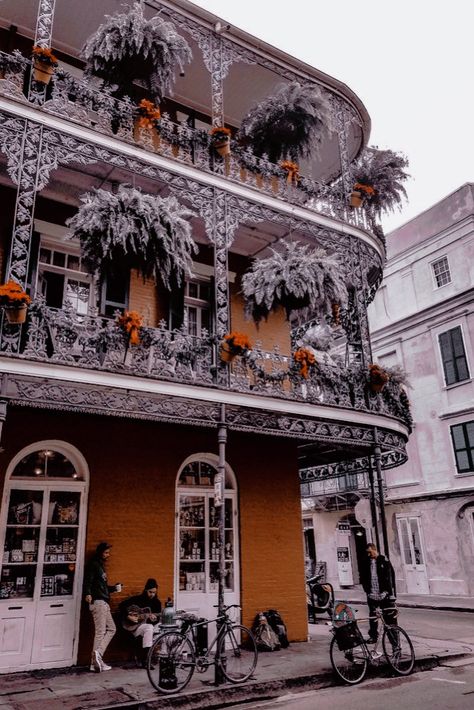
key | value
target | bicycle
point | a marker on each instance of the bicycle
(175, 655)
(351, 656)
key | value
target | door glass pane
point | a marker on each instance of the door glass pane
(405, 542)
(78, 294)
(20, 553)
(415, 538)
(59, 563)
(192, 543)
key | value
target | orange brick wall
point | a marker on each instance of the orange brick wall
(133, 467)
(274, 331)
(143, 298)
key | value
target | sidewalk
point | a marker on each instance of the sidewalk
(415, 601)
(301, 666)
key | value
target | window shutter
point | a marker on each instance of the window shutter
(176, 312)
(33, 264)
(447, 357)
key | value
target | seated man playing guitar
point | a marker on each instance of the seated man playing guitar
(140, 613)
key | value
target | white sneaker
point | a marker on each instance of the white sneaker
(105, 667)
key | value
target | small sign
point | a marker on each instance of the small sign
(218, 480)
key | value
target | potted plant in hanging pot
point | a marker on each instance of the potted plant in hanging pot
(14, 301)
(146, 124)
(131, 323)
(379, 177)
(44, 64)
(127, 48)
(292, 171)
(220, 140)
(378, 378)
(305, 361)
(130, 229)
(299, 278)
(359, 193)
(234, 344)
(288, 125)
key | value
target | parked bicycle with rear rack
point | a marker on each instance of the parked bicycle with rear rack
(351, 655)
(176, 654)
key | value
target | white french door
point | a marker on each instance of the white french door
(413, 554)
(41, 573)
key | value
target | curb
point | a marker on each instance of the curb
(416, 605)
(228, 696)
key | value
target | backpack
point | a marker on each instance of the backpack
(265, 638)
(278, 626)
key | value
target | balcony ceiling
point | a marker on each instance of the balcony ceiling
(244, 86)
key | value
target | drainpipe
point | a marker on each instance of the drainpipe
(378, 468)
(219, 502)
(373, 507)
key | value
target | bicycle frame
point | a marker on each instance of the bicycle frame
(222, 623)
(373, 654)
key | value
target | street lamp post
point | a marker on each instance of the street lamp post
(219, 503)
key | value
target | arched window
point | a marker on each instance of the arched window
(46, 463)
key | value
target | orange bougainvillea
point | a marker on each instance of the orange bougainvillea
(377, 376)
(367, 189)
(237, 342)
(44, 54)
(12, 294)
(305, 359)
(292, 170)
(131, 322)
(220, 132)
(148, 114)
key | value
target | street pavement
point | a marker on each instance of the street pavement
(438, 636)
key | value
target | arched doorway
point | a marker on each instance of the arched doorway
(197, 558)
(42, 530)
(351, 550)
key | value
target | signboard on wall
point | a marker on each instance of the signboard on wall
(344, 562)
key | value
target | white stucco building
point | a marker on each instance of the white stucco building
(422, 318)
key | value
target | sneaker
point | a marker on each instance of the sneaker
(96, 662)
(93, 669)
(105, 667)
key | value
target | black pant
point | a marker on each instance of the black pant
(389, 616)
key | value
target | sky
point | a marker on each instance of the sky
(411, 62)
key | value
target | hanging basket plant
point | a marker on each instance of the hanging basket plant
(133, 230)
(379, 176)
(44, 64)
(288, 125)
(127, 48)
(148, 115)
(299, 278)
(14, 301)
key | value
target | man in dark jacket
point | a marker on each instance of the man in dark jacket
(97, 595)
(378, 580)
(140, 613)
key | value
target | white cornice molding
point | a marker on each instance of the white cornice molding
(25, 111)
(46, 371)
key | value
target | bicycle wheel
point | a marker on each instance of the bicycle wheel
(351, 665)
(171, 662)
(398, 650)
(238, 653)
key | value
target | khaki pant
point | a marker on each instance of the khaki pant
(103, 624)
(146, 632)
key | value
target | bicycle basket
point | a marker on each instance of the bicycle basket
(347, 636)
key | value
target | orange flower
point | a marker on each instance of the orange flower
(292, 170)
(149, 113)
(12, 294)
(238, 342)
(368, 189)
(44, 54)
(131, 322)
(220, 132)
(304, 358)
(377, 375)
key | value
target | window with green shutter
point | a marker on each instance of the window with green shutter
(463, 443)
(453, 356)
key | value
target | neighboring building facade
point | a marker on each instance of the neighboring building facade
(103, 440)
(422, 318)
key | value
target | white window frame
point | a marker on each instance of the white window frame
(433, 274)
(199, 304)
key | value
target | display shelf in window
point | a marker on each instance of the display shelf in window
(64, 508)
(191, 511)
(191, 544)
(192, 577)
(58, 580)
(214, 514)
(61, 544)
(21, 544)
(17, 581)
(229, 574)
(25, 508)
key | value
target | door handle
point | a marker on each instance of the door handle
(11, 608)
(55, 606)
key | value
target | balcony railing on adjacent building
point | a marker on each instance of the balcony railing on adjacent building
(77, 100)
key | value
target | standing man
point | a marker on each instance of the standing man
(378, 581)
(97, 595)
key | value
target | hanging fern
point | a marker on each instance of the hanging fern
(300, 278)
(133, 230)
(290, 124)
(127, 48)
(385, 172)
